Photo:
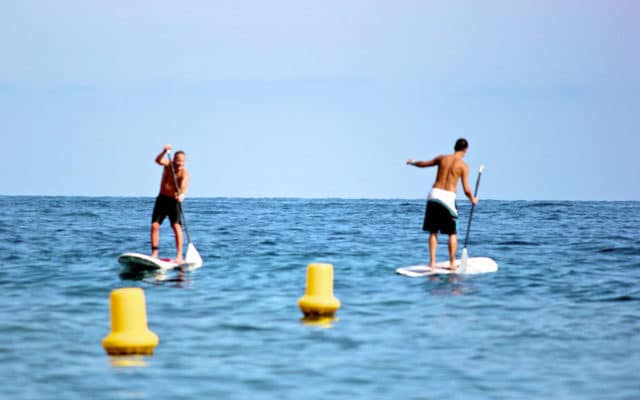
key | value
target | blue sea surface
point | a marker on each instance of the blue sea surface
(560, 318)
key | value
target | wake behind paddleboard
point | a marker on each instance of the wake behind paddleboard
(136, 262)
(475, 265)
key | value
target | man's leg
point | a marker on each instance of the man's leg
(433, 245)
(177, 230)
(155, 238)
(453, 247)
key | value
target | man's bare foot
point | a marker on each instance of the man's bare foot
(452, 267)
(179, 260)
(154, 254)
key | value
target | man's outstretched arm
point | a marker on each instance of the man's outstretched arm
(424, 164)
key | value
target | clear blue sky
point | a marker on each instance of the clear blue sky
(321, 98)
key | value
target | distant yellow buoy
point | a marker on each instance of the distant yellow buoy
(318, 300)
(129, 331)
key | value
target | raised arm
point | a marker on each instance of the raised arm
(160, 159)
(424, 164)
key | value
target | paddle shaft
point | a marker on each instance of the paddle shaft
(475, 194)
(175, 182)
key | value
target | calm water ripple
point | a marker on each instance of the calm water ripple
(560, 318)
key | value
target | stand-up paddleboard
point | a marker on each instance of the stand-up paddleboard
(136, 262)
(475, 265)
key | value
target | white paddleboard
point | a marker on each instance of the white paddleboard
(136, 262)
(475, 265)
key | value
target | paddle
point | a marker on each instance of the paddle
(192, 256)
(465, 256)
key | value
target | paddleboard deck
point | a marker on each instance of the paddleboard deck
(136, 262)
(475, 265)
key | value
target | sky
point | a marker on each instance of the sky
(321, 98)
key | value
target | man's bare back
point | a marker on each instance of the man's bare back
(450, 169)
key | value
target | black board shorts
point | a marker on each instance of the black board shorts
(438, 218)
(166, 207)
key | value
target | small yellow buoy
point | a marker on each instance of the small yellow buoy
(318, 300)
(129, 331)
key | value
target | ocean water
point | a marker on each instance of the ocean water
(560, 319)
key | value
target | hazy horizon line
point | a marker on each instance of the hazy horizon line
(463, 199)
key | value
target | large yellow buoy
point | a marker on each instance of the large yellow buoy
(318, 300)
(129, 331)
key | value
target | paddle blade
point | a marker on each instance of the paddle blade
(193, 257)
(463, 262)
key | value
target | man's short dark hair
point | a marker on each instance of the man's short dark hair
(461, 144)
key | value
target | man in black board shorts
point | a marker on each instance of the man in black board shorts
(168, 199)
(441, 213)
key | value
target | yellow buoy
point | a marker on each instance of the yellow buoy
(318, 300)
(129, 331)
